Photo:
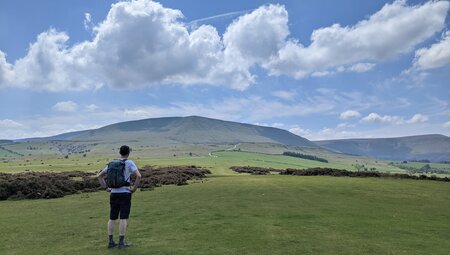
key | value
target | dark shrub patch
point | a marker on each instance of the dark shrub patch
(36, 185)
(339, 172)
(334, 172)
(252, 170)
(176, 175)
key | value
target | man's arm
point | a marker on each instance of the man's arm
(137, 181)
(101, 180)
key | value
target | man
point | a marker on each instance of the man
(120, 198)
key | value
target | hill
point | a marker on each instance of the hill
(183, 130)
(424, 147)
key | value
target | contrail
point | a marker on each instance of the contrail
(195, 22)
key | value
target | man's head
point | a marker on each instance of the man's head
(124, 150)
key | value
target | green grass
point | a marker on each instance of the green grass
(233, 213)
(219, 162)
(244, 214)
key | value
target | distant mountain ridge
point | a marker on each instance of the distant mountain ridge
(184, 130)
(432, 147)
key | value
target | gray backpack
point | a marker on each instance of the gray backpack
(116, 174)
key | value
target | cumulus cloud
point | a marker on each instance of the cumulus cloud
(397, 120)
(435, 56)
(65, 106)
(375, 117)
(142, 43)
(255, 37)
(401, 26)
(417, 118)
(5, 68)
(350, 114)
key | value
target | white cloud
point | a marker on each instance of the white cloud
(296, 129)
(142, 43)
(87, 21)
(361, 67)
(393, 30)
(255, 37)
(5, 68)
(397, 120)
(350, 114)
(435, 56)
(284, 94)
(417, 118)
(65, 106)
(321, 73)
(446, 124)
(375, 117)
(91, 107)
(357, 68)
(7, 123)
(139, 43)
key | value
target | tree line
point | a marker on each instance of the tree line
(304, 156)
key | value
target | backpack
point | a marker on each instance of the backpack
(116, 174)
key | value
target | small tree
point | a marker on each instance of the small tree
(425, 168)
(359, 167)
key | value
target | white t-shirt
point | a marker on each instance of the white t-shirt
(130, 167)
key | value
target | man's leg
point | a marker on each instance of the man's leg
(124, 214)
(113, 215)
(122, 230)
(122, 227)
(111, 224)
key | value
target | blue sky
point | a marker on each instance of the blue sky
(321, 69)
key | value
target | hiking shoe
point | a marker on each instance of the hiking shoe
(111, 245)
(124, 245)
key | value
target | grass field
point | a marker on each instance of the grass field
(219, 161)
(233, 213)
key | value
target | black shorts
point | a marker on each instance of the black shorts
(119, 203)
